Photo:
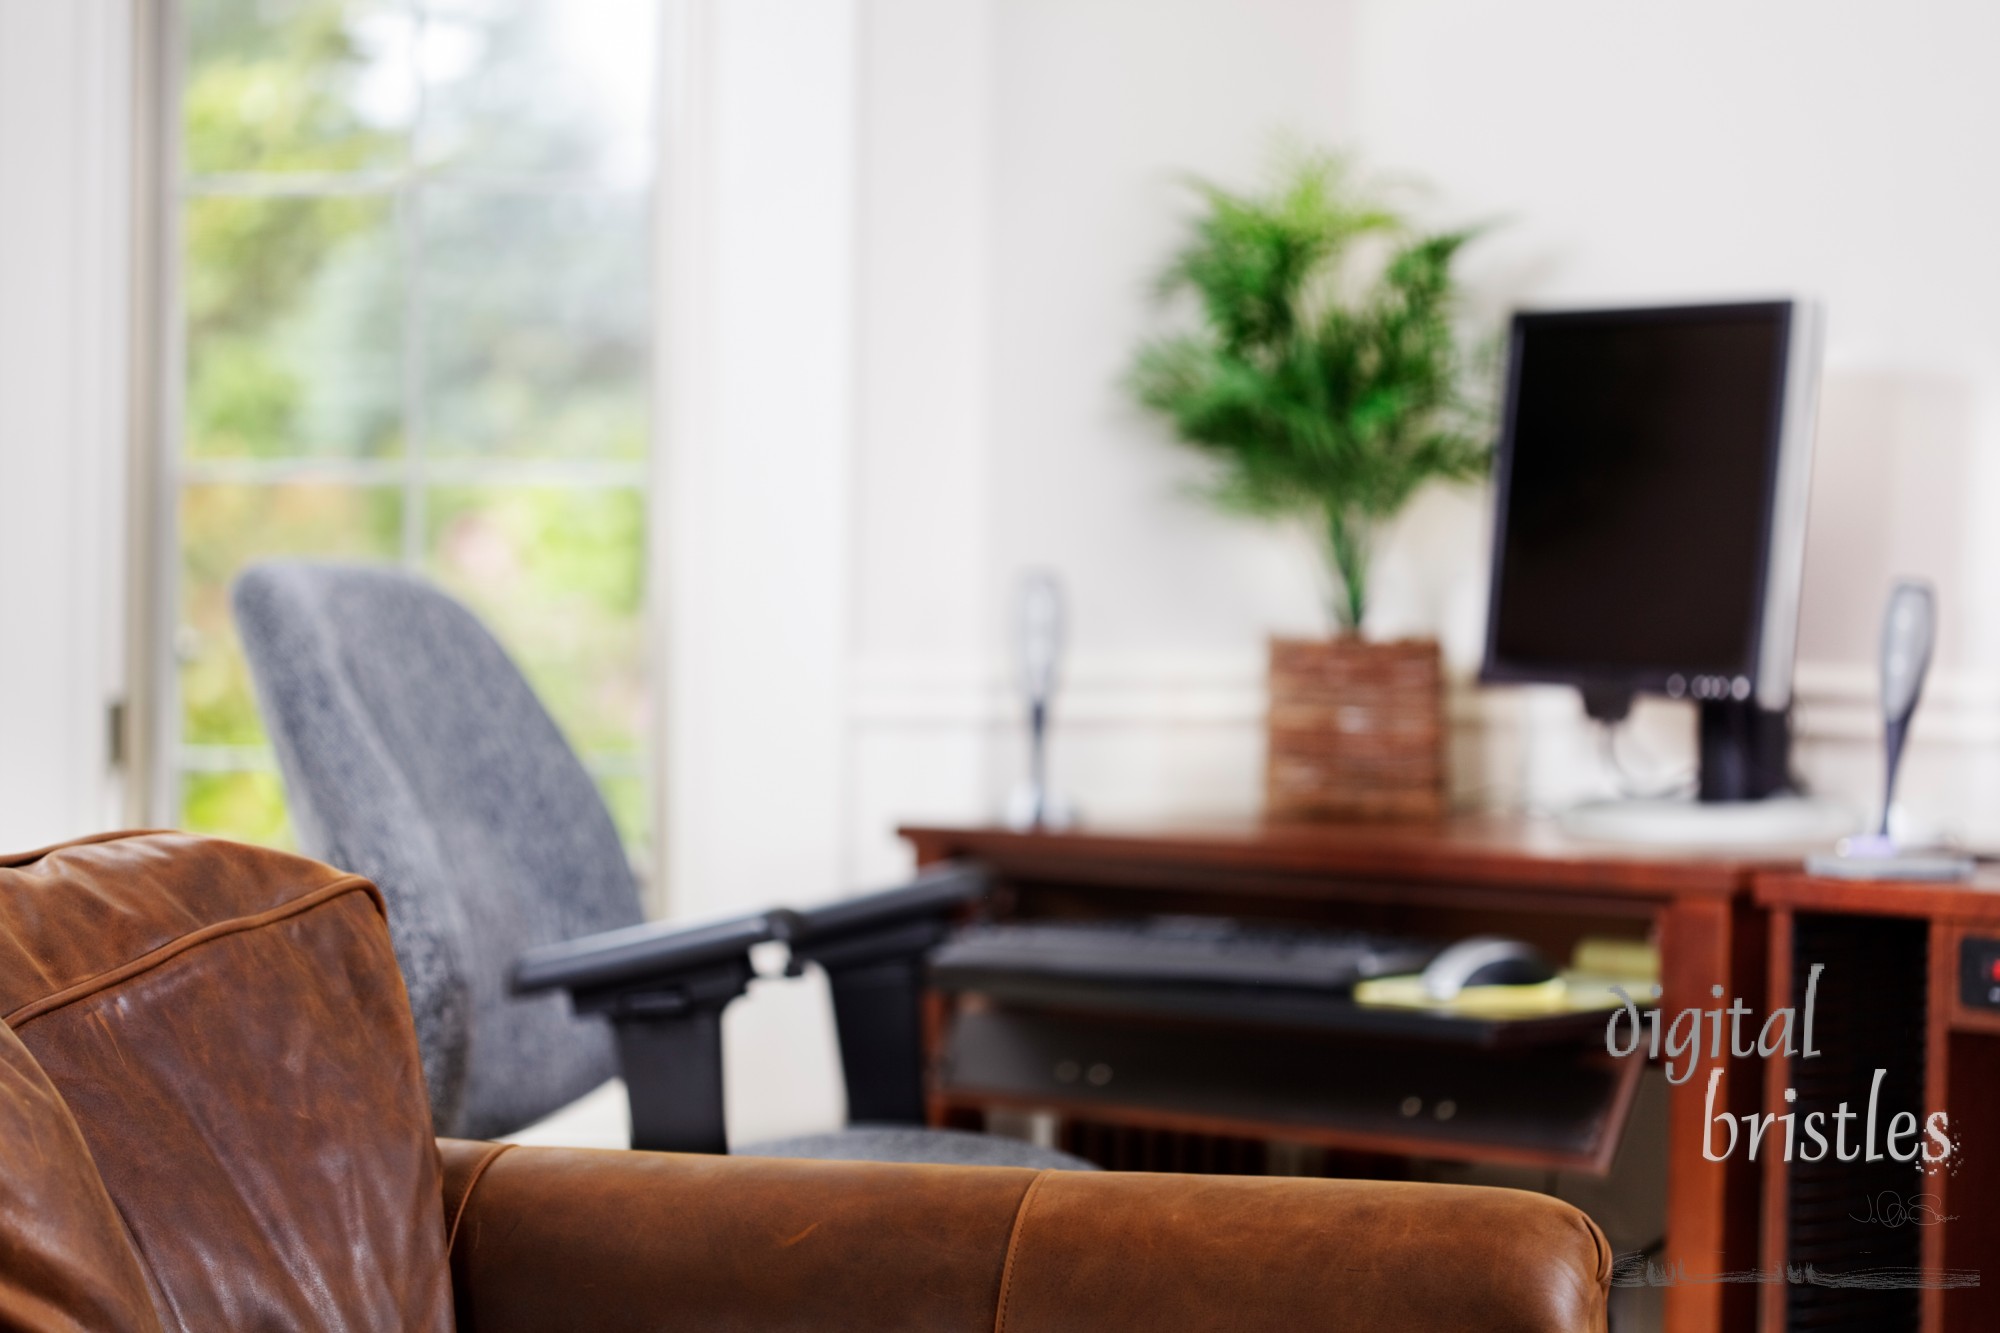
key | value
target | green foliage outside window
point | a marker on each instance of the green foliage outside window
(366, 292)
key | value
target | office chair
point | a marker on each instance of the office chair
(416, 754)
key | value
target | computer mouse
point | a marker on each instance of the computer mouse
(1484, 960)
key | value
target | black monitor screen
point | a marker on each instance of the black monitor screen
(1639, 460)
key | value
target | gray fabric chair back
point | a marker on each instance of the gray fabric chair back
(414, 753)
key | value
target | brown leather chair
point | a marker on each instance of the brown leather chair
(212, 1117)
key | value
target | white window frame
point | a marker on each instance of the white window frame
(157, 756)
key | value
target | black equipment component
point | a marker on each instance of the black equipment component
(1979, 972)
(1649, 536)
(872, 949)
(1198, 951)
(664, 987)
(1557, 1099)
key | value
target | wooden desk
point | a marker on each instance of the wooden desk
(1460, 877)
(1891, 953)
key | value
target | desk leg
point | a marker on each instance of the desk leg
(1711, 1206)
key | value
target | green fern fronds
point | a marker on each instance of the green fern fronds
(1319, 387)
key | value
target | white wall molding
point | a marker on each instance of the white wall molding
(1180, 735)
(1841, 702)
(757, 282)
(1835, 701)
(65, 300)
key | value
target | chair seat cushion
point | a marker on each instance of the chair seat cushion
(911, 1143)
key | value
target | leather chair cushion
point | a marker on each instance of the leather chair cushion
(228, 1028)
(66, 1264)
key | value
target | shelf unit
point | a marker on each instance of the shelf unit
(1901, 942)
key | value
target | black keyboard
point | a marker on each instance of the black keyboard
(1180, 950)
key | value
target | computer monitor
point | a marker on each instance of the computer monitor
(1653, 473)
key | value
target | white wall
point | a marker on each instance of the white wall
(903, 256)
(1002, 175)
(1026, 175)
(64, 103)
(757, 284)
(923, 464)
(1629, 152)
(1840, 149)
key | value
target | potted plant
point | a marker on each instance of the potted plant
(1327, 381)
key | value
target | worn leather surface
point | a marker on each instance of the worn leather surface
(228, 1028)
(549, 1238)
(212, 1118)
(1203, 1254)
(572, 1238)
(66, 1264)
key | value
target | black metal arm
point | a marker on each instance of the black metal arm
(872, 949)
(664, 988)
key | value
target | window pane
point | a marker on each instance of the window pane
(247, 806)
(628, 795)
(535, 319)
(415, 223)
(539, 87)
(297, 85)
(294, 328)
(224, 528)
(557, 572)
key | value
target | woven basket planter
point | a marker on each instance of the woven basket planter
(1356, 730)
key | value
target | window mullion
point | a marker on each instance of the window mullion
(411, 221)
(410, 227)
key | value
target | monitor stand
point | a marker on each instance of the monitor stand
(1746, 796)
(1789, 822)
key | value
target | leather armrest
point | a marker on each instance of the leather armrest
(550, 1238)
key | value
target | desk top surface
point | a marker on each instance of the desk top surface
(1465, 849)
(1975, 900)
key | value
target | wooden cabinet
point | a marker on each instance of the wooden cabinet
(1891, 954)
